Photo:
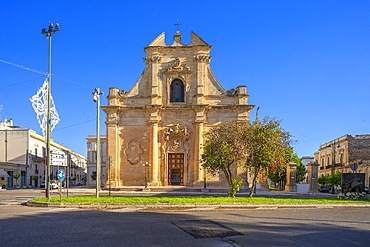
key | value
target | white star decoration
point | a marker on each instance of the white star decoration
(39, 104)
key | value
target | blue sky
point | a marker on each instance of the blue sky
(306, 63)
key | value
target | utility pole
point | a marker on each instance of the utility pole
(49, 34)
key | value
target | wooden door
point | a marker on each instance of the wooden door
(176, 169)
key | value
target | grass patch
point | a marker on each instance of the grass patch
(192, 200)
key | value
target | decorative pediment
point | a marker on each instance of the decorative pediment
(159, 41)
(196, 40)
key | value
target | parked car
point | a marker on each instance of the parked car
(367, 190)
(324, 189)
(53, 185)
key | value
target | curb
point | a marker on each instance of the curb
(195, 206)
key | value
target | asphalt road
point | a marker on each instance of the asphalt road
(30, 226)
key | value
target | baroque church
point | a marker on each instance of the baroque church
(161, 120)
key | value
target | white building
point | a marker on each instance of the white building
(307, 160)
(91, 159)
(23, 152)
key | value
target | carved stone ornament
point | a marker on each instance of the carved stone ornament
(177, 130)
(203, 58)
(122, 93)
(153, 59)
(176, 144)
(133, 152)
(178, 67)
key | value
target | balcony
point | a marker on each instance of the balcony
(35, 158)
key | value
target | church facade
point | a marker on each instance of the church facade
(155, 130)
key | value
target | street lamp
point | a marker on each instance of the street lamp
(49, 34)
(96, 99)
(146, 165)
(109, 163)
(333, 166)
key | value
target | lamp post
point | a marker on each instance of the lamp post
(96, 99)
(109, 163)
(49, 34)
(146, 165)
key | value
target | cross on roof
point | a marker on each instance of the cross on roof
(177, 25)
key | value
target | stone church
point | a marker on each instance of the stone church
(162, 119)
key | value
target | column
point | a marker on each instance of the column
(263, 181)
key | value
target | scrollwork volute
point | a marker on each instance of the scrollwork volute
(153, 59)
(203, 58)
(122, 93)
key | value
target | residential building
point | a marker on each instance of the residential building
(162, 119)
(23, 152)
(343, 153)
(305, 160)
(91, 159)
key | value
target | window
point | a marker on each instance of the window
(177, 91)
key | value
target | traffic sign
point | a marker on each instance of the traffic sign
(354, 166)
(61, 175)
(58, 158)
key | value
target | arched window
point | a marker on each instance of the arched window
(177, 91)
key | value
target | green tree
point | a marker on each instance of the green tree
(16, 176)
(224, 150)
(268, 145)
(334, 179)
(279, 175)
(301, 172)
(323, 180)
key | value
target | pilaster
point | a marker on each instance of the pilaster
(203, 60)
(312, 175)
(291, 177)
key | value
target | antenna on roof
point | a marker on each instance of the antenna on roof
(1, 109)
(177, 25)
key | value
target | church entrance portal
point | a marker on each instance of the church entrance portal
(175, 169)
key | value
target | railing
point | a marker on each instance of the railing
(37, 158)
